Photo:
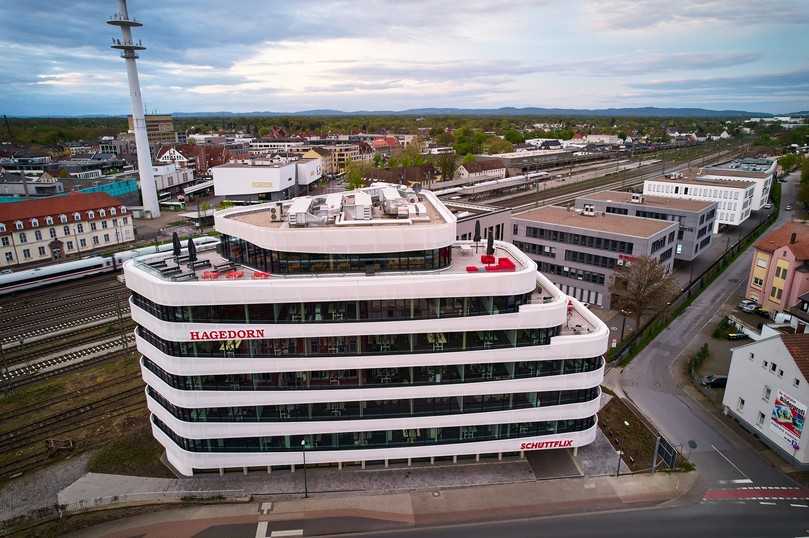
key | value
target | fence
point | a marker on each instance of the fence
(633, 345)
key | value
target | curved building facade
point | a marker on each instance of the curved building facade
(356, 327)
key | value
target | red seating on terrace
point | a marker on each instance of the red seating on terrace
(260, 275)
(210, 275)
(233, 275)
(503, 265)
(471, 268)
(487, 259)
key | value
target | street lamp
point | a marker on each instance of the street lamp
(619, 453)
(624, 314)
(305, 483)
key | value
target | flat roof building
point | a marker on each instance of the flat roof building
(579, 250)
(695, 217)
(355, 326)
(761, 172)
(159, 129)
(733, 199)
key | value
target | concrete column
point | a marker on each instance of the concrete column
(386, 463)
(244, 470)
(269, 469)
(575, 451)
(339, 465)
(522, 454)
(477, 458)
(499, 456)
(455, 458)
(292, 468)
(432, 460)
(363, 464)
(221, 471)
(409, 462)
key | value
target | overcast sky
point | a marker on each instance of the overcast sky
(248, 55)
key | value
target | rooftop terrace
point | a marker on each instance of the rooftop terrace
(650, 201)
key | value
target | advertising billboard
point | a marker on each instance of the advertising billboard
(788, 416)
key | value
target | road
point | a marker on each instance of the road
(651, 383)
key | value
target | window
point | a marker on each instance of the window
(126, 221)
(765, 364)
(70, 245)
(91, 214)
(752, 356)
(38, 235)
(49, 221)
(80, 228)
(760, 419)
(106, 238)
(2, 227)
(82, 243)
(18, 225)
(757, 282)
(123, 209)
(766, 393)
(34, 223)
(52, 233)
(4, 241)
(9, 257)
(95, 240)
(102, 213)
(104, 224)
(780, 373)
(63, 218)
(41, 251)
(26, 254)
(77, 217)
(23, 237)
(93, 226)
(112, 211)
(740, 405)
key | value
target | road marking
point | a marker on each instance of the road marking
(291, 532)
(261, 530)
(739, 481)
(768, 504)
(730, 462)
(799, 505)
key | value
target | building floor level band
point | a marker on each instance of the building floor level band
(355, 327)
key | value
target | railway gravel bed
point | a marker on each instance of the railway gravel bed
(17, 376)
(60, 292)
(35, 333)
(38, 310)
(71, 367)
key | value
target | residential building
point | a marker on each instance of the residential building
(761, 172)
(407, 175)
(267, 146)
(799, 313)
(483, 169)
(328, 159)
(159, 129)
(579, 250)
(779, 272)
(768, 391)
(199, 158)
(21, 185)
(733, 199)
(80, 148)
(266, 179)
(407, 347)
(58, 226)
(695, 217)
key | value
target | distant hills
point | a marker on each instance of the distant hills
(642, 112)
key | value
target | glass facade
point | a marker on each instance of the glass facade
(357, 410)
(379, 439)
(336, 311)
(385, 344)
(240, 251)
(375, 377)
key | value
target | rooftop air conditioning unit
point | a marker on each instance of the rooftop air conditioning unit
(637, 198)
(275, 213)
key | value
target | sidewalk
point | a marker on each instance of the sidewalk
(420, 508)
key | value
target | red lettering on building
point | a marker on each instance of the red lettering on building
(538, 445)
(240, 334)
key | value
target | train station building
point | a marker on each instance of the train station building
(355, 328)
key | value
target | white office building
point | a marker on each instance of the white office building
(758, 171)
(768, 392)
(734, 199)
(277, 179)
(355, 326)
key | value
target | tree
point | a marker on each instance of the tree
(803, 194)
(355, 175)
(468, 159)
(514, 136)
(446, 164)
(642, 287)
(805, 171)
(378, 160)
(495, 144)
(622, 135)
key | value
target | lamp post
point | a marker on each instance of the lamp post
(624, 314)
(305, 482)
(619, 453)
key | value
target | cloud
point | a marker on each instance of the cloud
(682, 14)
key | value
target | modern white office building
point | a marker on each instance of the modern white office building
(355, 326)
(761, 172)
(268, 179)
(734, 199)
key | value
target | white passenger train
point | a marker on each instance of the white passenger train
(72, 270)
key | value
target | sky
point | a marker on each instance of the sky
(264, 55)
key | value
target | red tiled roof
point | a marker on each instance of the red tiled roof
(781, 238)
(798, 347)
(56, 205)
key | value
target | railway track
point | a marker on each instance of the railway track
(40, 375)
(43, 404)
(79, 337)
(12, 376)
(35, 311)
(59, 423)
(29, 332)
(65, 291)
(42, 457)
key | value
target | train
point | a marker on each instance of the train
(92, 265)
(520, 182)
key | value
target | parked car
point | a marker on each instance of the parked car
(715, 381)
(736, 336)
(761, 312)
(788, 207)
(747, 305)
